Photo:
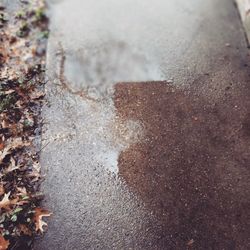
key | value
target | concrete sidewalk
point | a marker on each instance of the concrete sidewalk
(147, 128)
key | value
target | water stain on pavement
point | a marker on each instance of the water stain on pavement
(180, 152)
(191, 168)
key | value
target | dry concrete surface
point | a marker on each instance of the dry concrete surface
(147, 126)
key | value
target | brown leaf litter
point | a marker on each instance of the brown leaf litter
(23, 36)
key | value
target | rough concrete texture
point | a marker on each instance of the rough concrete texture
(193, 162)
(147, 165)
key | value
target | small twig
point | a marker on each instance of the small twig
(43, 147)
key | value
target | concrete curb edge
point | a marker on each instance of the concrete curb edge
(244, 9)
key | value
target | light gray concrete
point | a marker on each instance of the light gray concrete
(196, 45)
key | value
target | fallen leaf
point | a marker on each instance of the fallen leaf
(14, 144)
(22, 202)
(3, 243)
(25, 230)
(4, 122)
(1, 189)
(8, 92)
(36, 95)
(36, 166)
(38, 216)
(21, 191)
(4, 153)
(6, 202)
(12, 166)
(35, 175)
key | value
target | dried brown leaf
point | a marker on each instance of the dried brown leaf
(22, 202)
(4, 244)
(13, 144)
(6, 203)
(8, 92)
(21, 191)
(38, 216)
(36, 95)
(4, 124)
(12, 166)
(4, 153)
(1, 189)
(35, 174)
(36, 166)
(25, 230)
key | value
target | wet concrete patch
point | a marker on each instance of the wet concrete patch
(189, 168)
(157, 131)
(92, 208)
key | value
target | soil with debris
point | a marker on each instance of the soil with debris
(23, 35)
